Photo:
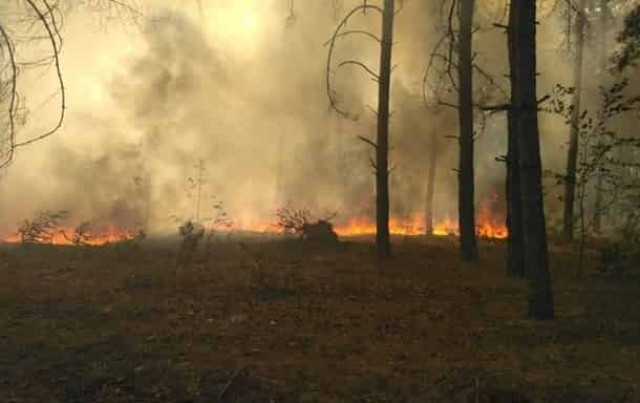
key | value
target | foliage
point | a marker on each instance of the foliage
(600, 148)
(629, 39)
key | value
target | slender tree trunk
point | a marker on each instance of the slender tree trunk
(572, 156)
(431, 183)
(382, 152)
(604, 28)
(522, 42)
(466, 209)
(280, 171)
(515, 246)
(200, 167)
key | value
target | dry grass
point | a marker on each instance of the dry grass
(286, 324)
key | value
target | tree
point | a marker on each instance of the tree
(603, 73)
(381, 145)
(515, 241)
(524, 113)
(431, 182)
(572, 154)
(466, 185)
(460, 39)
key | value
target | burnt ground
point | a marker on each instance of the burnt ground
(272, 321)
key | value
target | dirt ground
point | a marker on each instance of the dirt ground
(268, 320)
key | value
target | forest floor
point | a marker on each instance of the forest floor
(271, 321)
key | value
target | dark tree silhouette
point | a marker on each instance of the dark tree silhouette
(451, 65)
(431, 182)
(381, 145)
(466, 185)
(515, 242)
(524, 113)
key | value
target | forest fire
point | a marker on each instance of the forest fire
(78, 237)
(486, 227)
(490, 223)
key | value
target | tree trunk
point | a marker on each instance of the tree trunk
(431, 183)
(515, 242)
(382, 152)
(572, 156)
(522, 45)
(466, 209)
(604, 28)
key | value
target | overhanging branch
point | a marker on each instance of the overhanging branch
(331, 94)
(372, 73)
(52, 32)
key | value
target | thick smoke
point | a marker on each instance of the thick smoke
(241, 91)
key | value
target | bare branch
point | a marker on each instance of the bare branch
(366, 140)
(355, 32)
(331, 94)
(450, 105)
(13, 97)
(52, 32)
(373, 164)
(372, 73)
(496, 108)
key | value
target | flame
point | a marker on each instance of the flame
(107, 235)
(488, 225)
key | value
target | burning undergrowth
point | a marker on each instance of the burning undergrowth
(300, 222)
(55, 228)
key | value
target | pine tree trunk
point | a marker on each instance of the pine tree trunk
(515, 245)
(604, 28)
(522, 41)
(572, 155)
(431, 183)
(466, 209)
(382, 152)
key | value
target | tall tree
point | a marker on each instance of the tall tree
(466, 187)
(572, 154)
(382, 154)
(431, 183)
(604, 16)
(524, 107)
(515, 241)
(443, 73)
(381, 145)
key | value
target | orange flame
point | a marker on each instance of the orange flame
(486, 227)
(488, 224)
(109, 234)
